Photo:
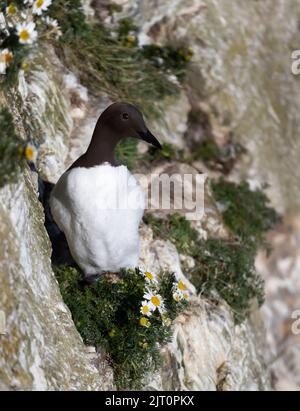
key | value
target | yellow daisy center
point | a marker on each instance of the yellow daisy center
(155, 301)
(11, 9)
(145, 309)
(144, 322)
(24, 35)
(39, 3)
(181, 286)
(149, 275)
(29, 153)
(185, 296)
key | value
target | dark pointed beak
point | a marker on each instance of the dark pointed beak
(149, 138)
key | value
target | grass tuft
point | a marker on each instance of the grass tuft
(104, 62)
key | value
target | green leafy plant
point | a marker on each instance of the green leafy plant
(166, 152)
(126, 152)
(112, 314)
(208, 151)
(105, 63)
(168, 58)
(174, 228)
(247, 213)
(221, 268)
(229, 269)
(11, 149)
(127, 33)
(23, 25)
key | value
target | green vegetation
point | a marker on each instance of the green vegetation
(208, 151)
(220, 266)
(225, 266)
(168, 58)
(16, 53)
(11, 149)
(228, 268)
(108, 60)
(20, 55)
(247, 213)
(107, 315)
(126, 152)
(127, 31)
(175, 228)
(115, 64)
(167, 152)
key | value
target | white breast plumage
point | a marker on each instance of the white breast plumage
(99, 210)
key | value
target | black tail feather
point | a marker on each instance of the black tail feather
(60, 250)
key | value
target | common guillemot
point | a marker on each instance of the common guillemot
(97, 203)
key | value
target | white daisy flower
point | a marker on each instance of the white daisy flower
(166, 320)
(11, 9)
(149, 277)
(181, 286)
(155, 300)
(146, 308)
(49, 21)
(40, 5)
(177, 296)
(26, 32)
(6, 57)
(31, 153)
(180, 291)
(52, 23)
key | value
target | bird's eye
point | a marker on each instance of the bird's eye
(125, 116)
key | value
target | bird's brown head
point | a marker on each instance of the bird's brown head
(119, 121)
(124, 120)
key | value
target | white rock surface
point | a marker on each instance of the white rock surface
(281, 312)
(41, 349)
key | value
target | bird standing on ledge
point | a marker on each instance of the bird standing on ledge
(97, 203)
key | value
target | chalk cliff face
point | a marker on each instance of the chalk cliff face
(240, 79)
(241, 75)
